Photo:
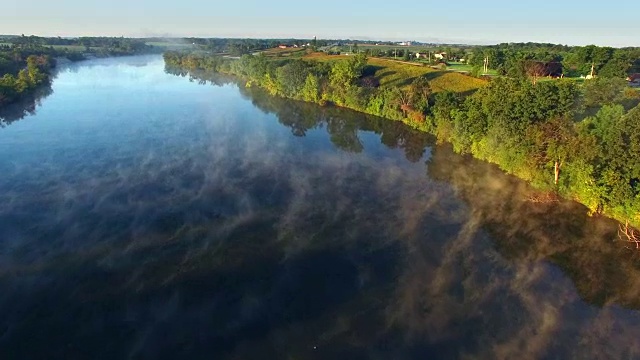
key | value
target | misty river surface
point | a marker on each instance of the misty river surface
(146, 214)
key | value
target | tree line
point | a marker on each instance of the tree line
(348, 83)
(517, 60)
(101, 46)
(26, 61)
(581, 141)
(23, 71)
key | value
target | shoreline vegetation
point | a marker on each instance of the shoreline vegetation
(577, 141)
(27, 62)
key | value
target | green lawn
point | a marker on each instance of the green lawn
(454, 66)
(576, 79)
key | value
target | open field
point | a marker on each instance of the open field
(277, 52)
(170, 45)
(393, 73)
(320, 56)
(576, 79)
(76, 48)
(400, 74)
(456, 66)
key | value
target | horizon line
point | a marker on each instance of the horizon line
(433, 41)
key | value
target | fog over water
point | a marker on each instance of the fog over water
(152, 214)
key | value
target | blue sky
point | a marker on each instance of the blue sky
(615, 23)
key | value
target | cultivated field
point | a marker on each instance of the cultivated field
(401, 74)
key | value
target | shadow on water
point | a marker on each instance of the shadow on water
(585, 247)
(24, 107)
(316, 256)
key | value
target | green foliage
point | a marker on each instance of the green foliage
(604, 91)
(529, 130)
(345, 72)
(420, 92)
(342, 79)
(291, 78)
(24, 73)
(511, 59)
(445, 104)
(311, 89)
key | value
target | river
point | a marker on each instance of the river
(150, 215)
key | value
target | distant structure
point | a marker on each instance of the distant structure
(440, 56)
(592, 75)
(634, 80)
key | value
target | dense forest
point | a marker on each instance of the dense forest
(579, 141)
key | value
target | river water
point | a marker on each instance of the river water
(145, 214)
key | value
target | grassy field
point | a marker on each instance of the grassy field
(170, 45)
(277, 52)
(460, 67)
(76, 48)
(455, 66)
(575, 79)
(400, 74)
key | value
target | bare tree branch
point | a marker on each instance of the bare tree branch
(629, 235)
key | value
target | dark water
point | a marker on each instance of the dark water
(143, 215)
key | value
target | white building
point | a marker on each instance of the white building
(440, 56)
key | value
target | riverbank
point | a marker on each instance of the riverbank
(27, 71)
(537, 132)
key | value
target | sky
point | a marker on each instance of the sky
(571, 22)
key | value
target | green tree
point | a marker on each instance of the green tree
(291, 78)
(420, 92)
(446, 103)
(343, 77)
(23, 83)
(604, 91)
(311, 89)
(553, 143)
